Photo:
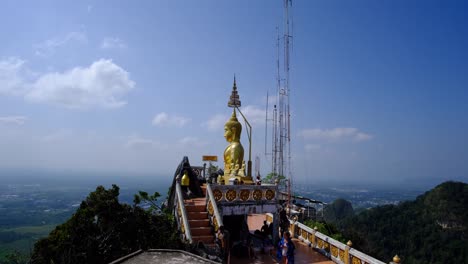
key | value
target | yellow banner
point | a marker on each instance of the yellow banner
(210, 158)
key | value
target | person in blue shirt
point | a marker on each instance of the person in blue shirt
(285, 250)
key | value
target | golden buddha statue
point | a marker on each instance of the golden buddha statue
(234, 152)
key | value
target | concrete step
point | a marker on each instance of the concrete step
(195, 201)
(197, 215)
(201, 231)
(205, 239)
(195, 208)
(199, 223)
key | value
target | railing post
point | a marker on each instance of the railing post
(347, 248)
(396, 260)
(314, 238)
(292, 226)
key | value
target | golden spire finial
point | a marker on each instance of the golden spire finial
(396, 259)
(233, 116)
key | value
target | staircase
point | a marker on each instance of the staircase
(199, 223)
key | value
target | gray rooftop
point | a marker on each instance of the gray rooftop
(166, 256)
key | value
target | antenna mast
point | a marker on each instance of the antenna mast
(281, 145)
(281, 125)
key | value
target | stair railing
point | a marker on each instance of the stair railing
(212, 208)
(181, 215)
(338, 252)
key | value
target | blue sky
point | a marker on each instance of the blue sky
(378, 88)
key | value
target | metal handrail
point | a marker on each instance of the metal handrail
(210, 196)
(180, 198)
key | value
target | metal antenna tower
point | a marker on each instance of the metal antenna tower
(281, 125)
(281, 136)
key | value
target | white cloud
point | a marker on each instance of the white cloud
(49, 46)
(191, 142)
(272, 100)
(362, 137)
(15, 120)
(139, 142)
(102, 84)
(216, 122)
(163, 119)
(112, 43)
(12, 76)
(254, 114)
(335, 134)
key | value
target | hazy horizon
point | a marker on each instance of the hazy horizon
(93, 179)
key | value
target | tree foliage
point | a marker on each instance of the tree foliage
(431, 229)
(15, 257)
(327, 229)
(338, 210)
(102, 230)
(272, 176)
(151, 200)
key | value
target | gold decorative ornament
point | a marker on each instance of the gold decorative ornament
(349, 243)
(341, 253)
(217, 195)
(185, 179)
(326, 246)
(396, 259)
(257, 195)
(215, 223)
(231, 195)
(210, 208)
(320, 243)
(244, 195)
(334, 251)
(269, 194)
(356, 260)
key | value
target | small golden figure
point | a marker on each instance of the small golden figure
(242, 170)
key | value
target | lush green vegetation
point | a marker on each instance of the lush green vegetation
(20, 240)
(103, 229)
(271, 177)
(337, 211)
(431, 229)
(325, 228)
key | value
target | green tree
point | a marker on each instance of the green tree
(151, 200)
(272, 176)
(102, 230)
(212, 168)
(338, 210)
(15, 257)
(431, 229)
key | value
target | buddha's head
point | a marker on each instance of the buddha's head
(232, 129)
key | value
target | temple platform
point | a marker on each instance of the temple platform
(304, 253)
